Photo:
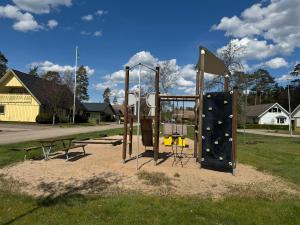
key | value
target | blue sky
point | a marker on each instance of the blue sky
(112, 33)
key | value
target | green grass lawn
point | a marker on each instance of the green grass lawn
(276, 155)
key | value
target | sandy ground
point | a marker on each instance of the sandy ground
(102, 170)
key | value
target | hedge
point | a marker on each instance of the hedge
(267, 127)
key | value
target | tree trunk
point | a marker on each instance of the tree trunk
(53, 119)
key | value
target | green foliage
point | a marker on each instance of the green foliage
(82, 84)
(296, 70)
(52, 76)
(3, 64)
(267, 127)
(106, 95)
(44, 118)
(34, 71)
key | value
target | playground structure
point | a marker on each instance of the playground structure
(214, 125)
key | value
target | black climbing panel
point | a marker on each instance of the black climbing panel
(217, 131)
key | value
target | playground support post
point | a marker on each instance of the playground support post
(200, 119)
(125, 113)
(130, 131)
(157, 116)
(196, 130)
(234, 128)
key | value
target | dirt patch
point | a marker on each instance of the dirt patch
(102, 171)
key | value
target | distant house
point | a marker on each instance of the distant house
(100, 112)
(271, 114)
(119, 110)
(24, 97)
(296, 117)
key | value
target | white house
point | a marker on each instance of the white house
(271, 114)
(296, 117)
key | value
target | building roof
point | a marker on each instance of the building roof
(43, 90)
(258, 110)
(295, 111)
(99, 107)
(119, 109)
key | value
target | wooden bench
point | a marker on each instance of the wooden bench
(27, 150)
(66, 150)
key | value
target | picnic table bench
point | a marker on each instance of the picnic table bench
(48, 144)
(27, 150)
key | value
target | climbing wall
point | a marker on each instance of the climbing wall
(217, 117)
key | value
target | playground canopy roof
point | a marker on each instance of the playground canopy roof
(212, 64)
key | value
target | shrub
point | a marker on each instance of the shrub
(46, 119)
(267, 127)
(81, 118)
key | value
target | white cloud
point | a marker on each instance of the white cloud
(98, 33)
(40, 6)
(185, 83)
(275, 22)
(100, 12)
(285, 78)
(88, 17)
(50, 66)
(24, 21)
(52, 24)
(276, 63)
(85, 32)
(143, 57)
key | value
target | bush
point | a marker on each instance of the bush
(46, 119)
(266, 127)
(81, 118)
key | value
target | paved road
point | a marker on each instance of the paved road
(49, 132)
(266, 132)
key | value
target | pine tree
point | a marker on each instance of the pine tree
(106, 95)
(3, 64)
(82, 84)
(52, 76)
(115, 101)
(34, 71)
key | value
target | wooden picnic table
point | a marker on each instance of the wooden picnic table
(48, 144)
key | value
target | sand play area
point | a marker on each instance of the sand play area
(101, 170)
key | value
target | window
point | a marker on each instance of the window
(2, 109)
(275, 110)
(281, 120)
(279, 110)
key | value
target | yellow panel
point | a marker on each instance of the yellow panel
(168, 141)
(12, 81)
(20, 112)
(181, 142)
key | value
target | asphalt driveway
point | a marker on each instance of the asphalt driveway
(14, 133)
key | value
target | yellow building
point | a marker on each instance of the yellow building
(23, 97)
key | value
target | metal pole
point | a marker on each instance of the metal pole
(290, 119)
(125, 113)
(200, 119)
(138, 118)
(75, 85)
(156, 117)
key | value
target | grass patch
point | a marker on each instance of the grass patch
(154, 178)
(9, 156)
(138, 209)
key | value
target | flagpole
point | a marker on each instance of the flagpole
(75, 84)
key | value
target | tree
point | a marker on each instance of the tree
(296, 71)
(115, 101)
(82, 84)
(169, 74)
(3, 64)
(34, 71)
(52, 76)
(68, 79)
(231, 58)
(106, 95)
(263, 83)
